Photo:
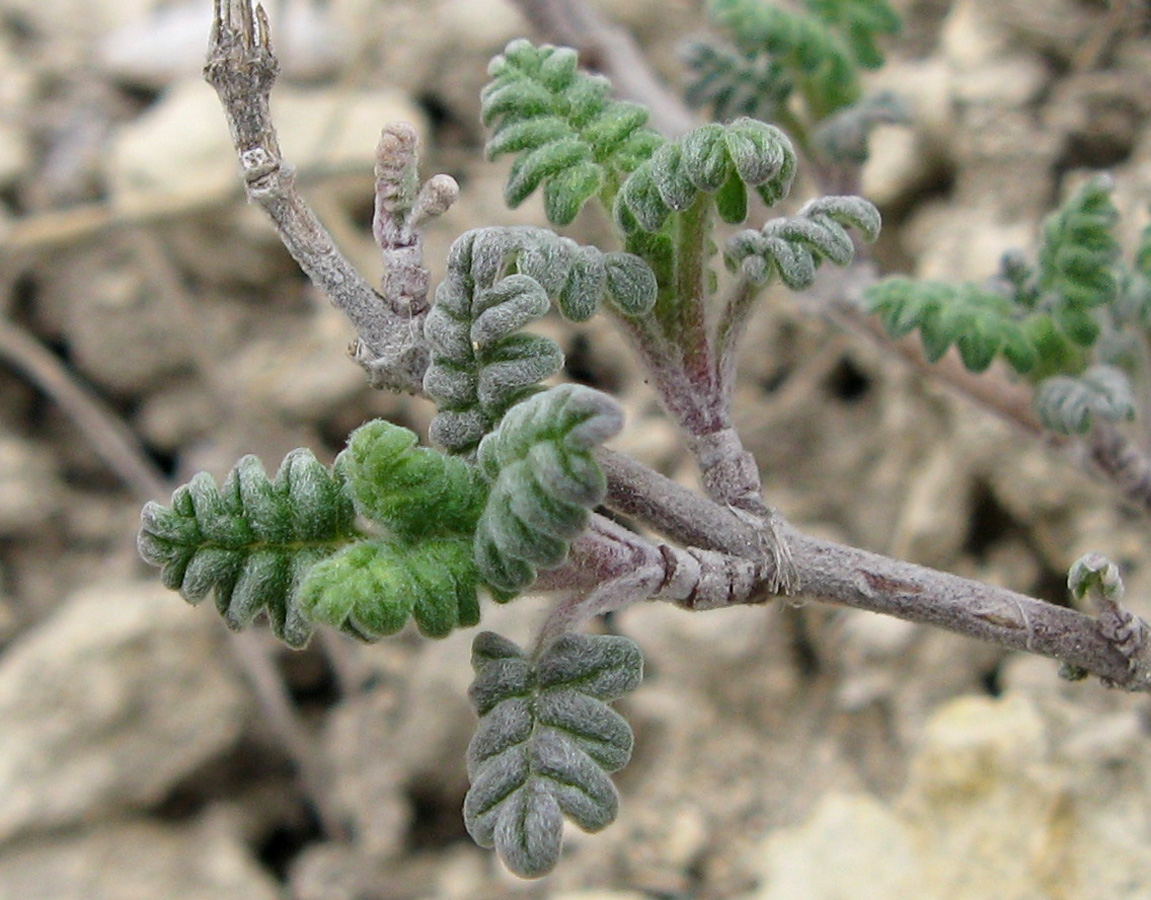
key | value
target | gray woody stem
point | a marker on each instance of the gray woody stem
(834, 573)
(737, 558)
(242, 68)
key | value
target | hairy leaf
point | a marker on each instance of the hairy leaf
(1041, 318)
(1079, 251)
(498, 281)
(745, 153)
(1067, 404)
(794, 246)
(818, 51)
(372, 588)
(982, 322)
(544, 481)
(251, 541)
(566, 132)
(412, 491)
(546, 743)
(1095, 571)
(734, 83)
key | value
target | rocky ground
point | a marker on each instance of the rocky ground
(799, 753)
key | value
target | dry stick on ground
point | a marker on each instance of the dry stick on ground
(115, 443)
(110, 438)
(242, 68)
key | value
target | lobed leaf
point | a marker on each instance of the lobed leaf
(546, 743)
(819, 51)
(734, 83)
(568, 135)
(983, 323)
(544, 481)
(413, 491)
(251, 541)
(498, 281)
(372, 588)
(793, 247)
(1068, 404)
(1043, 318)
(709, 159)
(1078, 256)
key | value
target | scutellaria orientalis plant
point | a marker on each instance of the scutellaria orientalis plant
(516, 493)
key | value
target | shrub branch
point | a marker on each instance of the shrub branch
(737, 557)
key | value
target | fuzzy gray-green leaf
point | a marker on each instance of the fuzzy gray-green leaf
(544, 481)
(249, 541)
(498, 281)
(544, 748)
(1067, 404)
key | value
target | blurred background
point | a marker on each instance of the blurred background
(153, 326)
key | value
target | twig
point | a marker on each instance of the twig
(850, 577)
(112, 440)
(242, 68)
(835, 573)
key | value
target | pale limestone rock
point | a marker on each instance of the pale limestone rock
(898, 162)
(14, 152)
(180, 149)
(303, 375)
(962, 244)
(108, 703)
(135, 860)
(833, 856)
(30, 493)
(1004, 799)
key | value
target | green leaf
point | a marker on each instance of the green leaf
(983, 323)
(1067, 404)
(1094, 571)
(794, 246)
(498, 281)
(704, 161)
(412, 491)
(544, 481)
(630, 283)
(567, 133)
(819, 50)
(372, 588)
(734, 83)
(1078, 256)
(251, 541)
(546, 743)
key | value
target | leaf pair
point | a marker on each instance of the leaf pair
(423, 566)
(546, 743)
(1041, 319)
(290, 547)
